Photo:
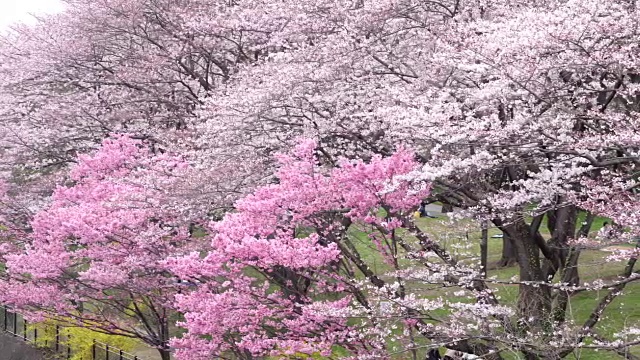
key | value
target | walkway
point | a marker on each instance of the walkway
(13, 348)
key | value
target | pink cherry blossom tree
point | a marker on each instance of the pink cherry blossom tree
(94, 256)
(287, 276)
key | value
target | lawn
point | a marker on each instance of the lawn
(462, 240)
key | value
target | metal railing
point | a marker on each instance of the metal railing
(102, 351)
(16, 325)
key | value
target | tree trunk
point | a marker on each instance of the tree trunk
(509, 257)
(447, 208)
(484, 250)
(165, 354)
(570, 272)
(534, 302)
(569, 276)
(562, 224)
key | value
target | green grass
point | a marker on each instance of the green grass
(461, 239)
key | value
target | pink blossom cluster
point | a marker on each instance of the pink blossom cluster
(290, 225)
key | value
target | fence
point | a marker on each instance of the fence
(102, 351)
(16, 325)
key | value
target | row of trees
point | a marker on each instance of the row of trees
(210, 161)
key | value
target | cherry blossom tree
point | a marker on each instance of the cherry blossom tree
(134, 67)
(94, 256)
(281, 272)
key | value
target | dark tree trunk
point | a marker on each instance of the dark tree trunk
(534, 302)
(509, 257)
(447, 208)
(570, 272)
(484, 248)
(569, 276)
(165, 354)
(562, 224)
